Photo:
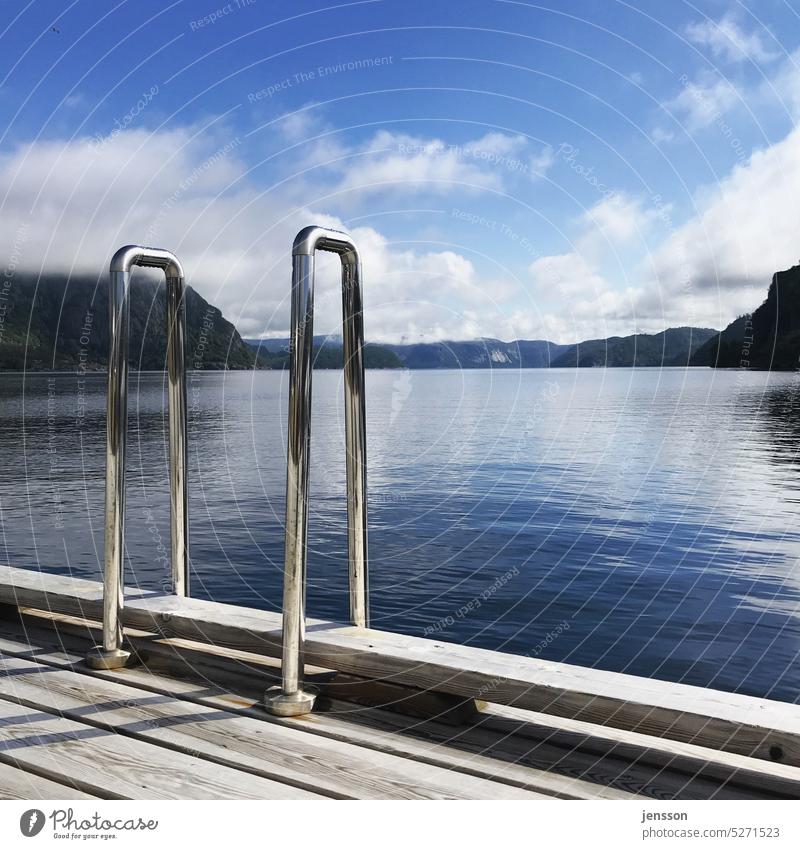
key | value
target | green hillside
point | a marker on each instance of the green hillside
(58, 322)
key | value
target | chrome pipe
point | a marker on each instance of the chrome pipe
(178, 425)
(116, 428)
(356, 442)
(293, 698)
(112, 654)
(298, 449)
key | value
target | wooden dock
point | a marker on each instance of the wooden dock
(398, 717)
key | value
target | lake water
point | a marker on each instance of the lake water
(637, 520)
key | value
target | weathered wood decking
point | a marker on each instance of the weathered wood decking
(397, 717)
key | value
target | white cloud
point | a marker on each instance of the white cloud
(745, 229)
(660, 136)
(711, 97)
(582, 302)
(391, 162)
(619, 218)
(542, 162)
(785, 86)
(699, 104)
(707, 271)
(728, 40)
(567, 275)
(301, 123)
(76, 202)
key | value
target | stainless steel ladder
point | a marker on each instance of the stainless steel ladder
(292, 698)
(112, 653)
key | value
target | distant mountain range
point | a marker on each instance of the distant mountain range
(274, 354)
(769, 339)
(60, 321)
(673, 347)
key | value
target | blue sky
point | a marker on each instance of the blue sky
(509, 169)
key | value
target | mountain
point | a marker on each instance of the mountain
(328, 354)
(482, 353)
(769, 339)
(60, 321)
(672, 347)
(725, 348)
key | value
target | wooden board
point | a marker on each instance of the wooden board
(26, 786)
(494, 747)
(729, 722)
(109, 765)
(656, 767)
(730, 771)
(289, 755)
(244, 693)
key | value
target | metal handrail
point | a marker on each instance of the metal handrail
(293, 698)
(111, 654)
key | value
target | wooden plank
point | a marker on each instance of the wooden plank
(729, 722)
(26, 786)
(661, 769)
(729, 770)
(180, 655)
(242, 685)
(530, 742)
(649, 758)
(285, 754)
(106, 764)
(482, 767)
(55, 593)
(406, 740)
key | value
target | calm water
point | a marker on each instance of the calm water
(643, 520)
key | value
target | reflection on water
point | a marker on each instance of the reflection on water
(637, 520)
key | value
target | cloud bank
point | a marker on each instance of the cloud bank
(191, 189)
